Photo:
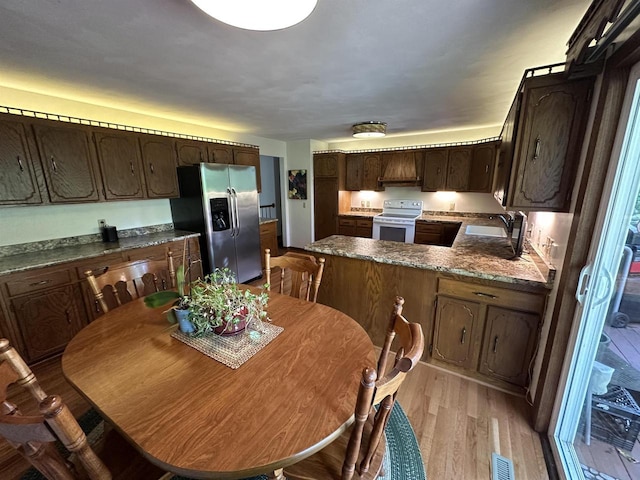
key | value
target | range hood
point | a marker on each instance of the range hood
(399, 170)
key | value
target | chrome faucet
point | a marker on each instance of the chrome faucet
(506, 218)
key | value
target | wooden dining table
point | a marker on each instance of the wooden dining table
(193, 416)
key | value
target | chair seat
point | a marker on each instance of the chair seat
(327, 463)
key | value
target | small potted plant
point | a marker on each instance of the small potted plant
(217, 305)
(181, 301)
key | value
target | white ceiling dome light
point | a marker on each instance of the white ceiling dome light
(369, 129)
(260, 15)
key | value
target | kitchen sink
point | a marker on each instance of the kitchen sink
(485, 231)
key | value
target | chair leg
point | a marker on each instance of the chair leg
(277, 474)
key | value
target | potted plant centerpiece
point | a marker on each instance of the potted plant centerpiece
(179, 310)
(218, 305)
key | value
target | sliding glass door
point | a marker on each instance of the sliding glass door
(596, 421)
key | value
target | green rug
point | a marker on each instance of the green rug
(402, 460)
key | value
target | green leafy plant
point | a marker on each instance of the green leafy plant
(217, 301)
(178, 297)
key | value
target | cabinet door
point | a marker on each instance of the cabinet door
(191, 152)
(435, 170)
(353, 179)
(67, 162)
(552, 121)
(428, 233)
(249, 156)
(325, 209)
(458, 169)
(364, 227)
(456, 332)
(48, 320)
(159, 163)
(508, 345)
(347, 226)
(325, 165)
(482, 165)
(119, 157)
(371, 171)
(268, 239)
(18, 183)
(220, 153)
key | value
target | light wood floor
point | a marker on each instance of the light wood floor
(454, 420)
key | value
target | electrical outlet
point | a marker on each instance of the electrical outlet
(362, 203)
(452, 206)
(102, 223)
(368, 204)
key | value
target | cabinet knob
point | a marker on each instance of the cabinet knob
(20, 163)
(131, 166)
(495, 344)
(536, 150)
(151, 168)
(53, 164)
(464, 334)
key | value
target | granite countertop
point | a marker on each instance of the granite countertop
(54, 256)
(470, 255)
(267, 220)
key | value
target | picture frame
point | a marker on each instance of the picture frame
(298, 184)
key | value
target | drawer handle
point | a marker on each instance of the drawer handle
(464, 334)
(164, 284)
(41, 282)
(495, 344)
(97, 306)
(486, 295)
(20, 163)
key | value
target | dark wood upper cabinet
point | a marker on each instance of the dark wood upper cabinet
(191, 152)
(435, 169)
(121, 165)
(220, 153)
(249, 156)
(18, 183)
(548, 143)
(458, 169)
(159, 163)
(353, 178)
(326, 164)
(68, 164)
(371, 171)
(482, 166)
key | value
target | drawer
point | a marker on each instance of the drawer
(157, 252)
(502, 297)
(34, 281)
(365, 222)
(98, 265)
(268, 228)
(346, 222)
(428, 228)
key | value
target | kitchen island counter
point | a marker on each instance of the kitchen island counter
(482, 257)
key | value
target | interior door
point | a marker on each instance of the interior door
(575, 430)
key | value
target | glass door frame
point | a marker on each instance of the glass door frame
(596, 283)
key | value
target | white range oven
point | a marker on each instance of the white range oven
(397, 222)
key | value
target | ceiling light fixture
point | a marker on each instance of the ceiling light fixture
(260, 15)
(369, 129)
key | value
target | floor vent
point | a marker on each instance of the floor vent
(501, 468)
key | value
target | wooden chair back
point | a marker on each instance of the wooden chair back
(300, 274)
(33, 435)
(122, 284)
(380, 387)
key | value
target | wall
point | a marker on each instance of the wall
(270, 177)
(298, 230)
(31, 224)
(438, 201)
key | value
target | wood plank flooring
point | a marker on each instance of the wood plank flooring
(454, 420)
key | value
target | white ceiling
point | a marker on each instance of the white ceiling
(419, 65)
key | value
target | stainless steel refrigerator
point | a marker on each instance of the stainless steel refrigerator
(221, 203)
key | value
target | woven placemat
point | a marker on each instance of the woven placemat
(231, 350)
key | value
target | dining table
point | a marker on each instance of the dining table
(194, 416)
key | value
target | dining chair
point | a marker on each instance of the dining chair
(357, 454)
(300, 274)
(121, 284)
(34, 436)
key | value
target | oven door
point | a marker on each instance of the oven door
(394, 232)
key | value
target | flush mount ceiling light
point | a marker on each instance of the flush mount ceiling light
(258, 14)
(369, 129)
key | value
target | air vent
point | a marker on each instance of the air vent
(501, 468)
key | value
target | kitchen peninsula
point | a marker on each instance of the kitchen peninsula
(480, 309)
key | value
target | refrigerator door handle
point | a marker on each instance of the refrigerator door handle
(232, 212)
(235, 206)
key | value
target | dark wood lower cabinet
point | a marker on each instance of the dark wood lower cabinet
(455, 334)
(355, 227)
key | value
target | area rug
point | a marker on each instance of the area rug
(402, 460)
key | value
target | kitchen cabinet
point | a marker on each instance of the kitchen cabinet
(488, 331)
(428, 233)
(482, 167)
(159, 163)
(364, 227)
(446, 169)
(353, 226)
(68, 162)
(47, 306)
(363, 171)
(347, 226)
(121, 165)
(402, 168)
(268, 239)
(220, 153)
(551, 120)
(191, 152)
(18, 184)
(329, 194)
(249, 156)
